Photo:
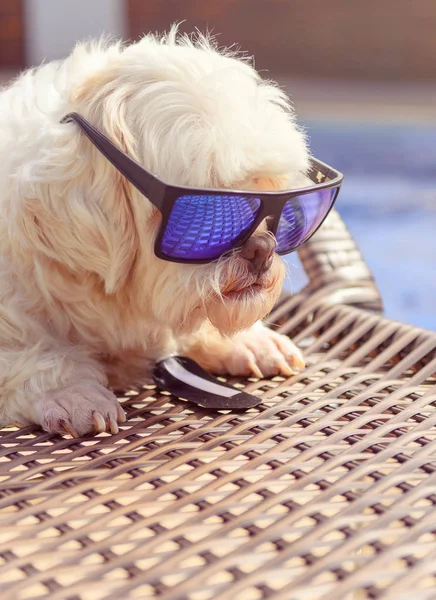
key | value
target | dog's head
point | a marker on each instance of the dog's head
(194, 116)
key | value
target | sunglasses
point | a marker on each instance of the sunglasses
(200, 225)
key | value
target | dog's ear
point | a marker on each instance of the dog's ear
(75, 208)
(80, 234)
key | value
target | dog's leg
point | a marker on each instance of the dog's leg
(62, 390)
(258, 352)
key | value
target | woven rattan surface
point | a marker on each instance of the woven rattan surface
(325, 490)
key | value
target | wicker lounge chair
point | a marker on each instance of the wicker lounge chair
(325, 490)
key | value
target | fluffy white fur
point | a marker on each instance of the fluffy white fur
(84, 302)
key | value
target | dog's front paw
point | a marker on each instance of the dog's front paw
(79, 410)
(258, 352)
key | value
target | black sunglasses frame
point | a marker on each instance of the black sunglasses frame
(163, 196)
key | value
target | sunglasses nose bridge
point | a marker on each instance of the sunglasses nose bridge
(272, 224)
(266, 223)
(271, 214)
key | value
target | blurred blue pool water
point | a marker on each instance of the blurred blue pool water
(388, 201)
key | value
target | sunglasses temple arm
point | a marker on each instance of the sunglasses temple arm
(145, 182)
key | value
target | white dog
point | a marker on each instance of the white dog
(85, 305)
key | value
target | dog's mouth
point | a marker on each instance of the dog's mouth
(243, 298)
(243, 292)
(246, 287)
(238, 284)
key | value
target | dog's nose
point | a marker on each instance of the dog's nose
(258, 250)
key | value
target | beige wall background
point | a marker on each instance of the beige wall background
(354, 39)
(379, 40)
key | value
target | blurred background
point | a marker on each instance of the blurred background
(362, 76)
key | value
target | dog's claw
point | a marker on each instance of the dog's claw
(99, 422)
(257, 373)
(113, 426)
(285, 369)
(68, 429)
(121, 415)
(298, 361)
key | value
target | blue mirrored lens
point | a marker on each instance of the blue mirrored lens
(206, 226)
(301, 217)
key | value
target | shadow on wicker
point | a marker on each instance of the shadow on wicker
(325, 490)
